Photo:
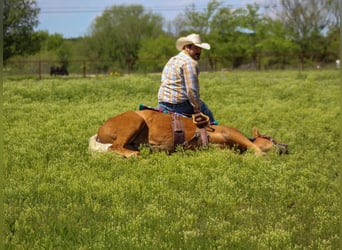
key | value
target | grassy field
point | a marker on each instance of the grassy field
(59, 196)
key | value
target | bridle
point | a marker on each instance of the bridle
(267, 137)
(282, 148)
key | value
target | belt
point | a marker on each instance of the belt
(174, 105)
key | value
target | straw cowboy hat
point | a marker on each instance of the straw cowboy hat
(191, 39)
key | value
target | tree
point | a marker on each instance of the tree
(19, 19)
(252, 25)
(199, 22)
(155, 52)
(306, 22)
(276, 46)
(238, 34)
(334, 34)
(193, 21)
(118, 33)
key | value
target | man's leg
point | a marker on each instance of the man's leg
(205, 110)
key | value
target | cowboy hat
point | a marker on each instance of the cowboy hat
(191, 39)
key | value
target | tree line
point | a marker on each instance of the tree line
(130, 37)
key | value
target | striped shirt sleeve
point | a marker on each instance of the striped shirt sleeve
(190, 71)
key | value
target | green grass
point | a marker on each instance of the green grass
(59, 196)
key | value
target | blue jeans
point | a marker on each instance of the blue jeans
(186, 108)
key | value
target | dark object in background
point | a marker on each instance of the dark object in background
(59, 71)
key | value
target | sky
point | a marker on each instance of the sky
(73, 18)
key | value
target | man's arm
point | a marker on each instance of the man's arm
(190, 71)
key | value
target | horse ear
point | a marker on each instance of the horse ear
(255, 132)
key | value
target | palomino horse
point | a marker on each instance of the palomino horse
(125, 133)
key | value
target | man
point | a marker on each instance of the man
(179, 90)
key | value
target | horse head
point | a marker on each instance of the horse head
(267, 143)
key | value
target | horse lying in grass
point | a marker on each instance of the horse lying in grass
(126, 132)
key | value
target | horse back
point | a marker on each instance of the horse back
(121, 128)
(160, 126)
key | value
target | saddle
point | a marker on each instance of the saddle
(179, 135)
(199, 119)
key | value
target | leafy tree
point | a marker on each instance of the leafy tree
(223, 33)
(332, 45)
(193, 21)
(19, 19)
(276, 39)
(253, 32)
(199, 22)
(53, 46)
(155, 52)
(333, 35)
(276, 46)
(334, 10)
(118, 33)
(238, 34)
(54, 41)
(305, 22)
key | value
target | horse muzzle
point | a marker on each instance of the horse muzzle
(282, 148)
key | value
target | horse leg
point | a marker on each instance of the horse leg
(122, 131)
(241, 140)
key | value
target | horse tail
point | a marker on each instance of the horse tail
(95, 146)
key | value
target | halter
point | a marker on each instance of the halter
(267, 137)
(282, 148)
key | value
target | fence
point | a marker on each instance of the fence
(89, 68)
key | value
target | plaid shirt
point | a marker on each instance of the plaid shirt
(179, 81)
